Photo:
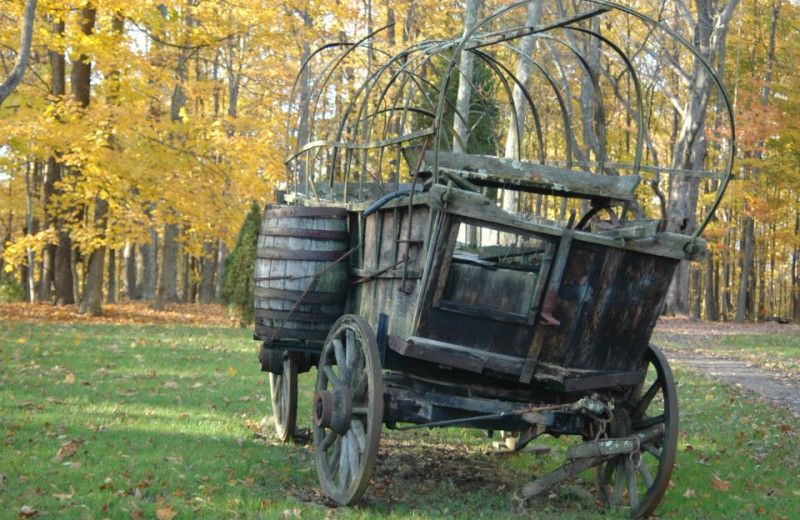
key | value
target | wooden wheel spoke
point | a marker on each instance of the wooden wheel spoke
(359, 387)
(352, 352)
(344, 464)
(338, 351)
(360, 435)
(647, 399)
(606, 473)
(633, 485)
(332, 377)
(336, 456)
(647, 422)
(352, 451)
(327, 442)
(650, 448)
(619, 486)
(647, 477)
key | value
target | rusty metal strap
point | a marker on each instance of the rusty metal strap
(319, 234)
(322, 298)
(266, 253)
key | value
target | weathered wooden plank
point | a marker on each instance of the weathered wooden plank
(493, 288)
(476, 206)
(456, 356)
(484, 170)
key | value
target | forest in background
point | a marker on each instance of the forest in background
(142, 132)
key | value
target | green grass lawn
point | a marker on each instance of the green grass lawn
(127, 421)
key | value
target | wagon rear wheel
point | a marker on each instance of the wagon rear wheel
(638, 482)
(348, 410)
(283, 388)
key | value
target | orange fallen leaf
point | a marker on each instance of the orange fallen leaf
(69, 378)
(65, 496)
(720, 484)
(68, 449)
(166, 513)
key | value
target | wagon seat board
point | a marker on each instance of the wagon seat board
(498, 172)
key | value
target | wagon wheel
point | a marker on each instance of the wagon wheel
(638, 483)
(348, 409)
(283, 388)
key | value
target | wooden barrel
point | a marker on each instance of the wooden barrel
(300, 278)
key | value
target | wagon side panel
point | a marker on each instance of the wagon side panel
(388, 280)
(608, 303)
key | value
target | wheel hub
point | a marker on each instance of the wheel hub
(620, 423)
(333, 409)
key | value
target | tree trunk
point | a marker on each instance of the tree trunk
(129, 255)
(690, 148)
(207, 273)
(410, 23)
(49, 251)
(92, 298)
(111, 296)
(149, 268)
(186, 269)
(13, 79)
(223, 253)
(167, 290)
(465, 65)
(697, 292)
(30, 228)
(516, 121)
(63, 279)
(795, 274)
(742, 302)
(710, 298)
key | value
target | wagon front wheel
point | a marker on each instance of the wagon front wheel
(637, 482)
(348, 410)
(283, 389)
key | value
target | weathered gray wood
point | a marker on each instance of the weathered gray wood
(602, 448)
(493, 288)
(456, 356)
(484, 170)
(559, 475)
(476, 206)
(384, 267)
(301, 284)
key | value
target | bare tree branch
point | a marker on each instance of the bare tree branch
(15, 77)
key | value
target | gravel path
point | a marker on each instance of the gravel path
(771, 385)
